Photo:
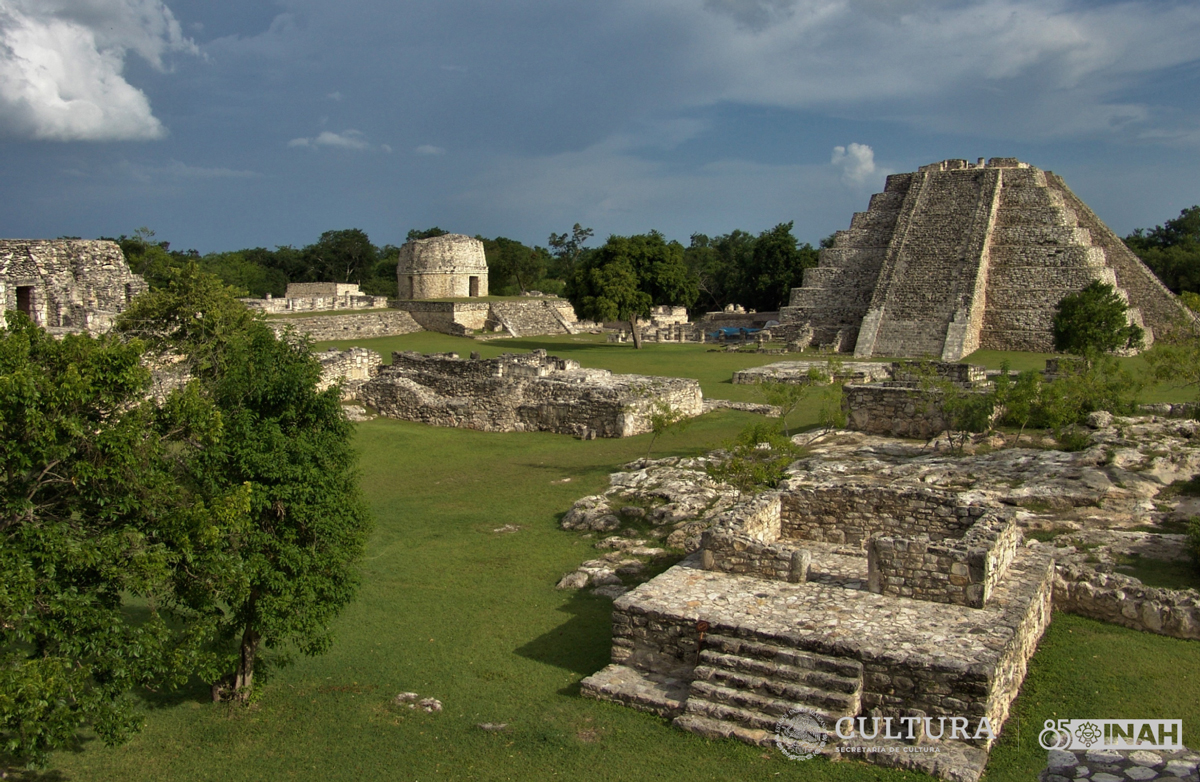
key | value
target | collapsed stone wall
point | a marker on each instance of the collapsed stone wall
(797, 372)
(327, 328)
(316, 303)
(66, 285)
(1125, 601)
(746, 540)
(850, 514)
(524, 392)
(963, 571)
(351, 367)
(534, 317)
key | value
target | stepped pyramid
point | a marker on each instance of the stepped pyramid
(958, 256)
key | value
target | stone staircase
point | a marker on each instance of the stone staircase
(742, 688)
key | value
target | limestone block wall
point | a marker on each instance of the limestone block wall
(797, 372)
(962, 572)
(899, 411)
(745, 540)
(66, 285)
(352, 367)
(449, 266)
(524, 392)
(284, 306)
(1111, 597)
(459, 318)
(384, 323)
(327, 290)
(851, 514)
(652, 641)
(533, 317)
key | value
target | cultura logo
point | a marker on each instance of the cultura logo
(801, 734)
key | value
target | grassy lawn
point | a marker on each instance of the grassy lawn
(453, 610)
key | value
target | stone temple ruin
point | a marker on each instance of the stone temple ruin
(450, 266)
(66, 285)
(957, 257)
(851, 601)
(524, 393)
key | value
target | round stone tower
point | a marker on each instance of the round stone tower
(443, 267)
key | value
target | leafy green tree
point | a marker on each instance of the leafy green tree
(775, 266)
(428, 233)
(718, 265)
(341, 256)
(1094, 319)
(96, 527)
(513, 267)
(1172, 250)
(1175, 357)
(628, 275)
(285, 443)
(568, 249)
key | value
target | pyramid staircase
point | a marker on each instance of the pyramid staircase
(743, 687)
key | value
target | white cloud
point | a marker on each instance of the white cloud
(430, 149)
(61, 64)
(857, 162)
(335, 95)
(347, 139)
(179, 170)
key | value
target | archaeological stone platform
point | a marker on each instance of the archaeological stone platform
(66, 285)
(956, 257)
(845, 601)
(524, 392)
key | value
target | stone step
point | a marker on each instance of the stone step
(840, 703)
(767, 669)
(798, 658)
(710, 728)
(746, 708)
(656, 693)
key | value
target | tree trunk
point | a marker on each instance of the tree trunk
(637, 336)
(244, 680)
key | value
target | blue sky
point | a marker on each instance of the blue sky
(223, 125)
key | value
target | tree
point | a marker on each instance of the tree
(428, 233)
(567, 249)
(718, 265)
(775, 266)
(511, 262)
(1172, 250)
(285, 443)
(627, 276)
(1094, 320)
(95, 528)
(341, 256)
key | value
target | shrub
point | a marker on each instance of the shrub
(1094, 320)
(758, 460)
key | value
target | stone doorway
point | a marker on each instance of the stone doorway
(473, 286)
(25, 299)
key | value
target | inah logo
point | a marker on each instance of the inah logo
(801, 734)
(1111, 734)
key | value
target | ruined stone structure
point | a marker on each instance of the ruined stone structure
(351, 367)
(452, 266)
(958, 256)
(66, 285)
(375, 323)
(846, 600)
(523, 393)
(316, 297)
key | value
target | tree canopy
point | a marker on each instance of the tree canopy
(1172, 250)
(1094, 320)
(756, 272)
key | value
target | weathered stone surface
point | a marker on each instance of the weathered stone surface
(449, 266)
(317, 297)
(351, 367)
(66, 285)
(324, 328)
(956, 256)
(1121, 765)
(799, 372)
(524, 392)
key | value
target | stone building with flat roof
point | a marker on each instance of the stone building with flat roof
(66, 285)
(451, 266)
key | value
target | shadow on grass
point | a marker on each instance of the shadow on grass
(581, 644)
(14, 774)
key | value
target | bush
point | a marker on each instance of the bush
(1193, 542)
(1094, 320)
(758, 460)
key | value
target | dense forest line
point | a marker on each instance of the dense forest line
(754, 270)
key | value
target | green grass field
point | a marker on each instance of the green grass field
(453, 610)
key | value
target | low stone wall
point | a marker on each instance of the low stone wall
(892, 410)
(352, 367)
(962, 572)
(1127, 602)
(650, 641)
(327, 328)
(851, 514)
(745, 540)
(533, 317)
(916, 371)
(524, 392)
(457, 318)
(287, 305)
(798, 372)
